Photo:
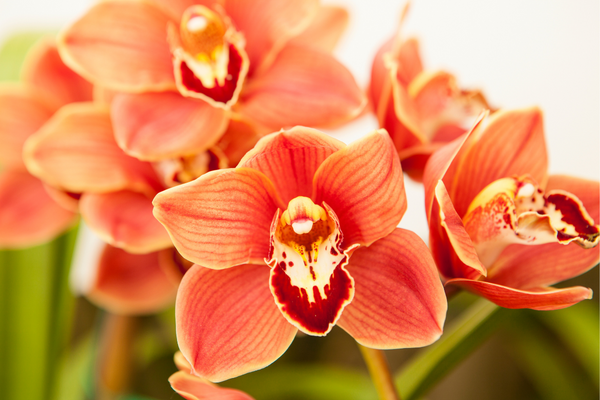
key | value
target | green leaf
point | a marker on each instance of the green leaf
(305, 381)
(464, 335)
(13, 52)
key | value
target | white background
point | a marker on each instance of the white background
(519, 52)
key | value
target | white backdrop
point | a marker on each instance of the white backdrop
(519, 52)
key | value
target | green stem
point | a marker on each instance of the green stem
(380, 373)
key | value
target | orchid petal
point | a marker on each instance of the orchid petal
(44, 70)
(154, 126)
(124, 219)
(239, 138)
(268, 25)
(121, 45)
(228, 323)
(540, 298)
(399, 300)
(325, 30)
(468, 263)
(222, 218)
(22, 112)
(486, 161)
(28, 215)
(586, 190)
(194, 388)
(363, 184)
(131, 284)
(290, 159)
(176, 8)
(302, 87)
(76, 151)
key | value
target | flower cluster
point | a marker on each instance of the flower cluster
(182, 132)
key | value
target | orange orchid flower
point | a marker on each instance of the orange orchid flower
(500, 226)
(185, 68)
(31, 213)
(421, 109)
(192, 387)
(300, 202)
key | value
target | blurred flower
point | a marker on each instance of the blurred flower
(422, 110)
(31, 213)
(192, 387)
(500, 226)
(185, 68)
(334, 198)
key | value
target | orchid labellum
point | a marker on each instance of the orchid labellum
(421, 109)
(184, 69)
(300, 236)
(30, 212)
(500, 226)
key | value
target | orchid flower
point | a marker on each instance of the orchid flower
(30, 212)
(500, 226)
(185, 68)
(300, 236)
(421, 109)
(192, 387)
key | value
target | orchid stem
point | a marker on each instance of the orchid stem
(380, 373)
(115, 360)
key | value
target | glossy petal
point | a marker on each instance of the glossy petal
(124, 219)
(222, 218)
(363, 184)
(28, 215)
(531, 266)
(302, 87)
(325, 30)
(22, 112)
(45, 71)
(468, 263)
(121, 45)
(194, 388)
(290, 159)
(268, 25)
(154, 126)
(399, 300)
(541, 298)
(131, 283)
(486, 161)
(227, 322)
(76, 151)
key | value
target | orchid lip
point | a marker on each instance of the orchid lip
(308, 278)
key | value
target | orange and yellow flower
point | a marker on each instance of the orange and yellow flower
(500, 226)
(300, 236)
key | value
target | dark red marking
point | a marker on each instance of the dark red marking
(571, 214)
(291, 263)
(218, 93)
(312, 273)
(282, 265)
(333, 251)
(317, 316)
(284, 255)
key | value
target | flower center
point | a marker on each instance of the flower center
(516, 210)
(308, 279)
(175, 171)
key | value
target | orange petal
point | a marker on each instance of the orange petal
(194, 388)
(325, 30)
(586, 190)
(121, 45)
(455, 254)
(76, 151)
(540, 298)
(28, 215)
(124, 219)
(130, 283)
(222, 218)
(239, 138)
(155, 126)
(302, 87)
(22, 112)
(363, 185)
(44, 70)
(268, 25)
(290, 159)
(176, 8)
(524, 153)
(247, 331)
(399, 300)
